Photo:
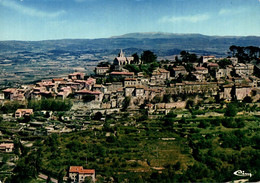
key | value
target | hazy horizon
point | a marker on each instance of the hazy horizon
(122, 35)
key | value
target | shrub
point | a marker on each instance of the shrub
(204, 124)
(231, 110)
(97, 116)
(247, 99)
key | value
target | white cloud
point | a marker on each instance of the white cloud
(28, 10)
(238, 10)
(190, 18)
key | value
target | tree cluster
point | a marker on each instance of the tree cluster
(50, 104)
(245, 54)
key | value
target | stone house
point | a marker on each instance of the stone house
(212, 66)
(79, 174)
(201, 70)
(244, 70)
(139, 91)
(199, 76)
(164, 73)
(179, 70)
(154, 92)
(226, 93)
(221, 73)
(64, 92)
(200, 73)
(114, 86)
(160, 75)
(57, 80)
(99, 87)
(122, 74)
(6, 147)
(2, 96)
(101, 70)
(120, 92)
(86, 84)
(9, 93)
(193, 87)
(23, 112)
(76, 76)
(207, 58)
(75, 85)
(97, 95)
(132, 81)
(48, 85)
(234, 60)
(129, 91)
(255, 81)
(242, 90)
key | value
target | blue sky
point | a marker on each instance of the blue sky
(59, 19)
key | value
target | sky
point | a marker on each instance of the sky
(72, 19)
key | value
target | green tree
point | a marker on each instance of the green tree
(97, 116)
(167, 98)
(224, 62)
(11, 106)
(189, 104)
(187, 57)
(132, 68)
(88, 180)
(103, 64)
(231, 110)
(136, 58)
(126, 103)
(27, 168)
(156, 99)
(48, 180)
(247, 99)
(148, 57)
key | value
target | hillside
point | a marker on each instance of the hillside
(162, 44)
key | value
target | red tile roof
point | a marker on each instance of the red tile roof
(213, 65)
(120, 90)
(200, 68)
(87, 171)
(89, 92)
(58, 79)
(122, 73)
(24, 110)
(130, 79)
(79, 169)
(9, 90)
(179, 69)
(7, 145)
(75, 168)
(163, 71)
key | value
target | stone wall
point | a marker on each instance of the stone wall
(177, 105)
(241, 93)
(89, 105)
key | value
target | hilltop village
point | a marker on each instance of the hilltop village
(140, 87)
(156, 86)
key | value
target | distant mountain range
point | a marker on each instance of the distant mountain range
(163, 44)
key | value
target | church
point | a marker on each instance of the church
(122, 60)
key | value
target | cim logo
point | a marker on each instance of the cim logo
(242, 173)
